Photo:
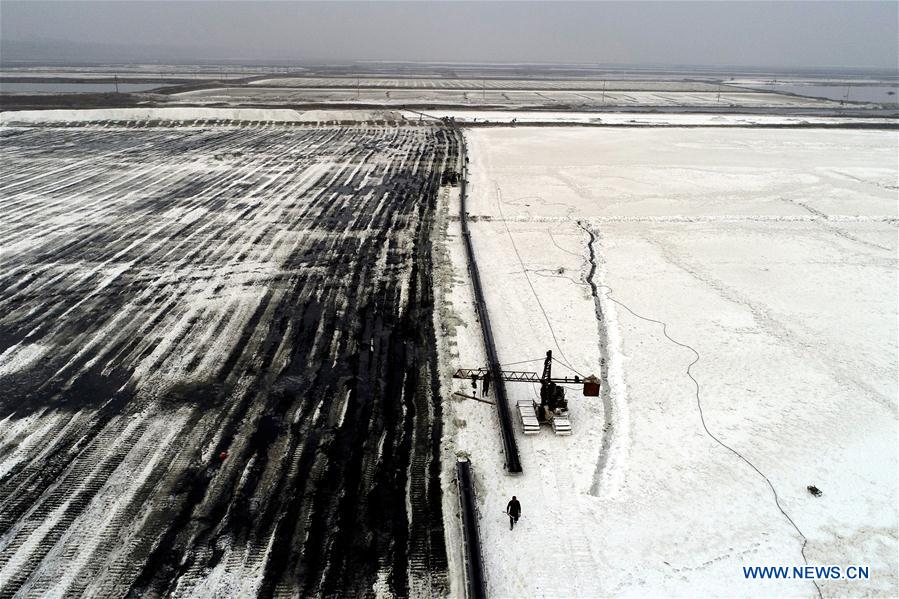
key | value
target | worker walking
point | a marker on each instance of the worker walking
(514, 511)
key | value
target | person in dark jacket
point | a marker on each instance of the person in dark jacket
(514, 511)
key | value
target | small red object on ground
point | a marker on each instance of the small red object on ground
(591, 386)
(223, 456)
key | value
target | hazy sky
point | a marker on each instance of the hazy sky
(698, 33)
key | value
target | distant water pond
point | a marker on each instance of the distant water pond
(77, 88)
(879, 94)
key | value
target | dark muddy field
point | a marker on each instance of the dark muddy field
(217, 363)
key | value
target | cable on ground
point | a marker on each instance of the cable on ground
(705, 426)
(523, 362)
(499, 203)
(553, 239)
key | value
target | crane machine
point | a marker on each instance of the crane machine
(553, 407)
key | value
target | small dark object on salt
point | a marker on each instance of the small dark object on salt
(814, 490)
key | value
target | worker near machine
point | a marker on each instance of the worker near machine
(485, 384)
(514, 511)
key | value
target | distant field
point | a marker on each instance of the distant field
(469, 83)
(496, 97)
(138, 71)
(56, 87)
